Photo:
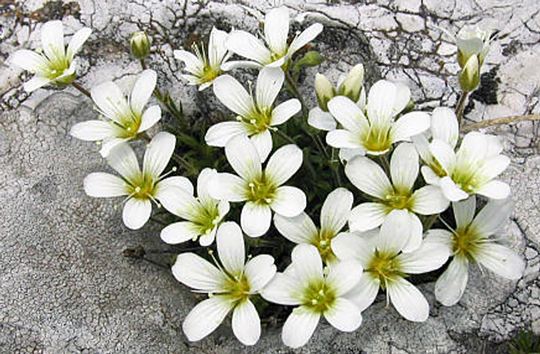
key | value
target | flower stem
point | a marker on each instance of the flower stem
(499, 121)
(81, 89)
(295, 91)
(285, 136)
(460, 106)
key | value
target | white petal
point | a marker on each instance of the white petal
(243, 157)
(307, 263)
(336, 209)
(248, 46)
(298, 229)
(92, 130)
(430, 256)
(246, 323)
(429, 200)
(179, 232)
(493, 217)
(404, 166)
(255, 219)
(381, 98)
(230, 246)
(284, 111)
(35, 83)
(197, 273)
(495, 190)
(501, 260)
(233, 95)
(203, 185)
(283, 164)
(276, 29)
(440, 236)
(150, 117)
(219, 134)
(367, 216)
(110, 100)
(178, 182)
(158, 153)
(282, 289)
(104, 185)
(415, 231)
(343, 139)
(346, 155)
(263, 143)
(321, 120)
(344, 275)
(259, 271)
(365, 292)
(344, 315)
(52, 40)
(369, 177)
(450, 286)
(289, 201)
(109, 143)
(395, 231)
(305, 37)
(191, 62)
(226, 186)
(408, 125)
(136, 213)
(206, 317)
(216, 46)
(29, 60)
(429, 176)
(238, 64)
(352, 246)
(348, 114)
(494, 166)
(77, 41)
(299, 327)
(464, 211)
(444, 125)
(451, 191)
(178, 201)
(123, 160)
(269, 83)
(408, 300)
(444, 154)
(402, 98)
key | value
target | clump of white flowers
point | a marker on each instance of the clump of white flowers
(385, 189)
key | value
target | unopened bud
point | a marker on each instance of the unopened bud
(324, 90)
(352, 85)
(469, 77)
(472, 42)
(311, 58)
(139, 45)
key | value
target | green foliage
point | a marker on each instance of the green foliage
(524, 342)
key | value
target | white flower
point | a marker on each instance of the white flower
(304, 284)
(203, 213)
(140, 187)
(56, 65)
(350, 86)
(125, 118)
(204, 67)
(473, 169)
(472, 41)
(375, 133)
(256, 114)
(276, 51)
(386, 266)
(229, 286)
(262, 190)
(334, 214)
(397, 194)
(444, 127)
(472, 242)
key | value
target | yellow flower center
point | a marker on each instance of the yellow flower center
(261, 190)
(142, 186)
(385, 266)
(466, 242)
(318, 296)
(323, 242)
(377, 138)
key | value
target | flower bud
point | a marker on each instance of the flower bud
(325, 91)
(311, 58)
(139, 45)
(469, 77)
(352, 85)
(472, 41)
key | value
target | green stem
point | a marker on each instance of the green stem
(187, 165)
(460, 106)
(295, 91)
(81, 89)
(334, 164)
(285, 136)
(429, 221)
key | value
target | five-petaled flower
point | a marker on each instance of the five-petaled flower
(316, 293)
(262, 190)
(56, 65)
(256, 115)
(205, 66)
(124, 118)
(472, 242)
(229, 286)
(277, 52)
(386, 265)
(140, 187)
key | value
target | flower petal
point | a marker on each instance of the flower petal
(321, 120)
(430, 256)
(276, 29)
(409, 125)
(259, 271)
(367, 176)
(494, 166)
(179, 232)
(501, 260)
(104, 185)
(52, 40)
(283, 164)
(284, 111)
(299, 327)
(344, 315)
(248, 46)
(158, 153)
(395, 231)
(492, 217)
(197, 273)
(307, 263)
(367, 216)
(415, 232)
(495, 190)
(429, 200)
(450, 286)
(365, 292)
(178, 182)
(219, 134)
(298, 229)
(216, 47)
(304, 38)
(231, 248)
(92, 130)
(150, 117)
(404, 166)
(233, 95)
(178, 201)
(263, 143)
(243, 157)
(110, 100)
(269, 83)
(204, 318)
(136, 213)
(246, 323)
(255, 219)
(35, 83)
(352, 246)
(282, 289)
(77, 41)
(464, 211)
(203, 185)
(444, 125)
(344, 139)
(29, 60)
(336, 209)
(451, 191)
(289, 201)
(408, 300)
(348, 114)
(444, 154)
(191, 62)
(344, 275)
(123, 160)
(381, 97)
(109, 143)
(226, 186)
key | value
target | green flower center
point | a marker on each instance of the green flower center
(385, 266)
(237, 287)
(398, 198)
(207, 218)
(261, 190)
(209, 74)
(466, 179)
(259, 120)
(466, 242)
(129, 124)
(437, 168)
(318, 296)
(323, 241)
(377, 138)
(142, 186)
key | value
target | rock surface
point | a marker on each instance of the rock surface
(65, 286)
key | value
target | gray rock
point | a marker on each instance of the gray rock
(65, 286)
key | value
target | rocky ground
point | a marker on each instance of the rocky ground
(65, 286)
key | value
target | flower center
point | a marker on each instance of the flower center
(377, 138)
(385, 266)
(398, 198)
(318, 296)
(437, 168)
(259, 120)
(142, 187)
(323, 243)
(209, 74)
(260, 190)
(207, 218)
(466, 179)
(466, 241)
(237, 287)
